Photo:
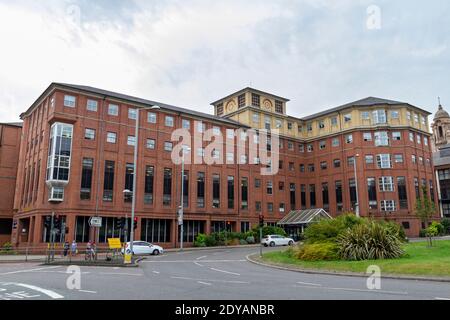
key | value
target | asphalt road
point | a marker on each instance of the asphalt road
(219, 274)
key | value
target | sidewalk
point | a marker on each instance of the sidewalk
(21, 258)
(425, 239)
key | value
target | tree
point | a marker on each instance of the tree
(425, 209)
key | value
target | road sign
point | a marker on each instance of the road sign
(114, 243)
(95, 222)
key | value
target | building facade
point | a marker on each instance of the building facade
(76, 161)
(9, 158)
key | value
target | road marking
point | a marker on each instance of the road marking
(198, 264)
(122, 274)
(190, 261)
(205, 283)
(310, 284)
(28, 270)
(87, 291)
(207, 280)
(224, 271)
(156, 272)
(49, 293)
(356, 290)
(439, 298)
(200, 258)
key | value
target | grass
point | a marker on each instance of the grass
(418, 260)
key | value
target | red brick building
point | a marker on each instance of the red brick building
(76, 160)
(9, 158)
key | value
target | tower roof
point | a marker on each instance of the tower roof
(441, 113)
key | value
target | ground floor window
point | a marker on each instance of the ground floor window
(111, 229)
(245, 226)
(155, 230)
(59, 227)
(5, 226)
(82, 229)
(191, 229)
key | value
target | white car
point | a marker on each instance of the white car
(276, 240)
(143, 248)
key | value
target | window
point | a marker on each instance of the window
(292, 195)
(398, 158)
(423, 120)
(132, 114)
(411, 137)
(387, 205)
(365, 115)
(413, 159)
(337, 163)
(281, 186)
(230, 190)
(379, 116)
(369, 159)
(167, 187)
(348, 117)
(282, 207)
(151, 144)
(425, 141)
(131, 141)
(230, 134)
(168, 146)
(310, 148)
(269, 187)
(309, 127)
(381, 138)
(351, 161)
(334, 121)
(241, 101)
(418, 139)
(86, 178)
(408, 115)
(386, 184)
(290, 145)
(302, 168)
(230, 157)
(108, 181)
(372, 193)
(220, 109)
(303, 196)
(290, 125)
(349, 138)
(151, 117)
(201, 127)
(244, 193)
(322, 144)
(256, 100)
(384, 161)
(186, 124)
(278, 106)
(416, 118)
(323, 165)
(311, 167)
(352, 190)
(299, 128)
(335, 142)
(258, 206)
(113, 110)
(395, 114)
(89, 134)
(111, 137)
(325, 196)
(270, 207)
(291, 166)
(60, 151)
(216, 191)
(149, 184)
(255, 117)
(301, 147)
(257, 183)
(267, 122)
(402, 193)
(156, 230)
(312, 195)
(69, 101)
(367, 136)
(338, 187)
(129, 176)
(396, 136)
(169, 122)
(321, 124)
(278, 123)
(200, 190)
(92, 105)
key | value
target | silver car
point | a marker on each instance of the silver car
(276, 240)
(144, 248)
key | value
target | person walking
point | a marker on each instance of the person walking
(66, 248)
(73, 248)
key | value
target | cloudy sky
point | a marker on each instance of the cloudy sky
(318, 53)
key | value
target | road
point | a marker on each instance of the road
(217, 274)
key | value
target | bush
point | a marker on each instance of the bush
(395, 229)
(446, 224)
(243, 242)
(7, 246)
(250, 240)
(200, 241)
(423, 233)
(329, 230)
(369, 241)
(267, 230)
(434, 229)
(317, 251)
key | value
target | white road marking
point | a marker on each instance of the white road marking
(310, 284)
(205, 283)
(87, 291)
(356, 290)
(208, 280)
(224, 271)
(198, 264)
(28, 270)
(49, 293)
(190, 261)
(156, 272)
(122, 274)
(439, 298)
(200, 258)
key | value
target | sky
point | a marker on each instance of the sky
(189, 53)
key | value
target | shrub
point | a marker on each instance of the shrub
(317, 251)
(7, 246)
(200, 241)
(267, 230)
(369, 241)
(328, 230)
(395, 229)
(243, 242)
(250, 240)
(422, 233)
(446, 224)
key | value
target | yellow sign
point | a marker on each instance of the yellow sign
(114, 243)
(127, 258)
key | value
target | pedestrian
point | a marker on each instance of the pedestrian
(74, 247)
(66, 248)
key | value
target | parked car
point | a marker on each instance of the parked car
(143, 248)
(276, 240)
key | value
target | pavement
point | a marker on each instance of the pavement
(212, 274)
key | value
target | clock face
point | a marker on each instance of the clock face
(231, 106)
(267, 105)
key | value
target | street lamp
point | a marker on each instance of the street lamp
(126, 192)
(356, 186)
(136, 145)
(185, 149)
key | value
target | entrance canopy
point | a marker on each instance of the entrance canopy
(302, 217)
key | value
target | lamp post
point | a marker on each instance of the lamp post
(133, 200)
(125, 235)
(185, 149)
(356, 186)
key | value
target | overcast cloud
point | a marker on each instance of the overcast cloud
(317, 53)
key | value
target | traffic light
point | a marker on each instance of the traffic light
(48, 222)
(56, 223)
(261, 220)
(135, 223)
(120, 223)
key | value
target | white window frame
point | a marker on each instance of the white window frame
(113, 109)
(92, 105)
(111, 137)
(70, 101)
(381, 138)
(384, 161)
(152, 117)
(386, 184)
